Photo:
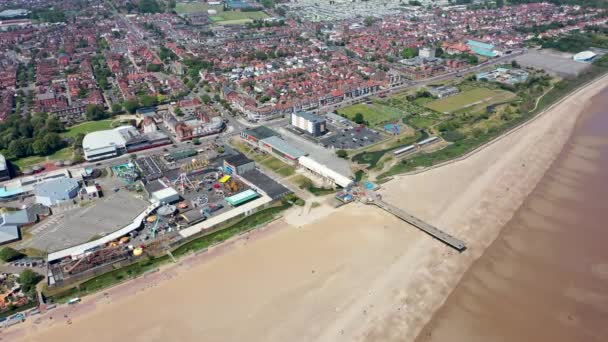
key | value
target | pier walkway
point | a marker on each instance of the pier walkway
(416, 222)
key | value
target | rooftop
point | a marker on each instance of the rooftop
(57, 188)
(261, 132)
(310, 116)
(283, 147)
(238, 160)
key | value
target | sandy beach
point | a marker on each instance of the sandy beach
(351, 274)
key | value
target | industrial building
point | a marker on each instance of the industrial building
(325, 172)
(113, 142)
(238, 164)
(56, 191)
(309, 123)
(4, 171)
(254, 135)
(11, 222)
(281, 149)
(443, 91)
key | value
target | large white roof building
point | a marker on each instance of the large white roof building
(108, 143)
(325, 172)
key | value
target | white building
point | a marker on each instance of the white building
(426, 52)
(325, 172)
(310, 123)
(108, 143)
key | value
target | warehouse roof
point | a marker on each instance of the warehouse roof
(261, 132)
(238, 160)
(56, 188)
(283, 147)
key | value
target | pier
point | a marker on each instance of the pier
(416, 222)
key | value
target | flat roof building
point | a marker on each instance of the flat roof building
(256, 134)
(56, 191)
(310, 123)
(325, 172)
(281, 149)
(238, 164)
(242, 197)
(113, 142)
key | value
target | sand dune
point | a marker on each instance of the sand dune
(356, 273)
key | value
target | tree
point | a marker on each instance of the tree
(96, 112)
(368, 21)
(116, 108)
(178, 111)
(439, 52)
(514, 64)
(131, 105)
(359, 119)
(409, 52)
(205, 98)
(28, 279)
(154, 67)
(17, 148)
(196, 141)
(500, 3)
(148, 101)
(267, 3)
(9, 254)
(149, 6)
(342, 154)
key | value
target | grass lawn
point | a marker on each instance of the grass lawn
(195, 7)
(374, 114)
(63, 154)
(87, 127)
(233, 17)
(278, 166)
(468, 98)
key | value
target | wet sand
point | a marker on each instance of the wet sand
(355, 273)
(546, 277)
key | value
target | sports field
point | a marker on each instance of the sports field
(87, 127)
(469, 98)
(222, 17)
(195, 7)
(375, 114)
(233, 17)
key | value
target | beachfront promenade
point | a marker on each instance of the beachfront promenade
(418, 223)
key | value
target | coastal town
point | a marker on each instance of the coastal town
(136, 134)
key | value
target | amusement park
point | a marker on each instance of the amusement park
(187, 197)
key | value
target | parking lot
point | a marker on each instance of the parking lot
(73, 224)
(350, 138)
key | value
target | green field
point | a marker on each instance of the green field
(222, 17)
(195, 7)
(374, 114)
(87, 127)
(63, 154)
(233, 17)
(469, 98)
(278, 166)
